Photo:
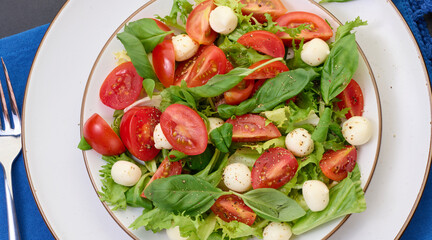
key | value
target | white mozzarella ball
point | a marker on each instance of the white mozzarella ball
(237, 177)
(125, 173)
(315, 52)
(277, 231)
(316, 195)
(357, 130)
(174, 233)
(214, 123)
(184, 47)
(299, 142)
(223, 20)
(159, 138)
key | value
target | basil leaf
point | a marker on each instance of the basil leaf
(226, 111)
(183, 194)
(138, 55)
(133, 195)
(209, 174)
(83, 145)
(281, 88)
(339, 67)
(149, 86)
(199, 162)
(222, 83)
(321, 130)
(118, 115)
(175, 156)
(272, 205)
(222, 137)
(148, 32)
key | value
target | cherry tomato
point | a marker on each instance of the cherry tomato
(352, 97)
(208, 62)
(274, 168)
(136, 131)
(165, 28)
(198, 26)
(232, 208)
(239, 93)
(264, 42)
(319, 27)
(269, 71)
(336, 164)
(121, 87)
(258, 7)
(165, 169)
(102, 137)
(184, 129)
(252, 128)
(164, 62)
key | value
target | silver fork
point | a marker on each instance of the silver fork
(10, 146)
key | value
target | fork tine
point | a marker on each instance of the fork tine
(6, 118)
(15, 112)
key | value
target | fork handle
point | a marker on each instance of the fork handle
(11, 216)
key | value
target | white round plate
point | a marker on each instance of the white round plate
(58, 175)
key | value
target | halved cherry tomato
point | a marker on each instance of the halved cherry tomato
(274, 168)
(184, 129)
(165, 169)
(352, 97)
(252, 128)
(232, 208)
(264, 42)
(239, 93)
(102, 137)
(336, 164)
(165, 28)
(319, 27)
(269, 71)
(198, 70)
(121, 87)
(164, 62)
(136, 131)
(198, 26)
(258, 7)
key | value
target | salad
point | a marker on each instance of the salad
(232, 119)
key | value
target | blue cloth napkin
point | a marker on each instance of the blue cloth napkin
(19, 50)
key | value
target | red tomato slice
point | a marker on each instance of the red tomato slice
(274, 168)
(336, 164)
(121, 87)
(136, 131)
(252, 128)
(264, 42)
(319, 27)
(164, 62)
(258, 7)
(184, 129)
(198, 26)
(232, 208)
(352, 97)
(239, 93)
(165, 169)
(102, 137)
(165, 28)
(201, 68)
(269, 71)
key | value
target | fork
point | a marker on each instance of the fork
(10, 146)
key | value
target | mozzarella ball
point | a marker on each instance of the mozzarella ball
(277, 231)
(357, 130)
(174, 233)
(184, 47)
(160, 141)
(125, 173)
(299, 142)
(316, 195)
(315, 52)
(223, 20)
(237, 177)
(214, 123)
